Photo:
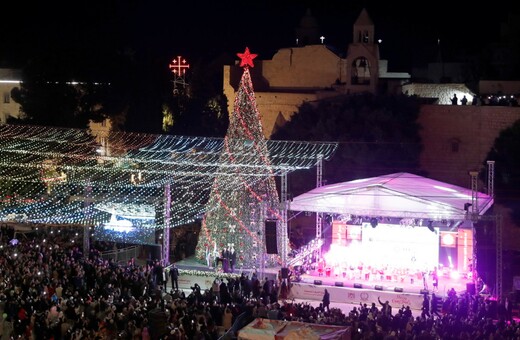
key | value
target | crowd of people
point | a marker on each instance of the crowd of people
(49, 289)
(493, 100)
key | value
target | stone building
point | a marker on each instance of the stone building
(9, 79)
(312, 72)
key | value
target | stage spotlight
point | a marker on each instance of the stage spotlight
(430, 226)
(373, 222)
(328, 219)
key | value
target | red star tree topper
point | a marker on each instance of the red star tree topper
(247, 58)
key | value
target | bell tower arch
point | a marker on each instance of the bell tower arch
(362, 62)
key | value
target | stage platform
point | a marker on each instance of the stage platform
(342, 289)
(392, 283)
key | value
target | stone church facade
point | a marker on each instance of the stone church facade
(313, 72)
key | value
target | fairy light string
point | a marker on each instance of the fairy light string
(45, 171)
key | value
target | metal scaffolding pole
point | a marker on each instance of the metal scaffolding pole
(499, 262)
(86, 228)
(284, 235)
(261, 219)
(474, 194)
(491, 179)
(473, 217)
(498, 232)
(319, 216)
(166, 228)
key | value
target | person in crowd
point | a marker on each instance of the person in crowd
(174, 275)
(454, 100)
(227, 318)
(158, 274)
(284, 291)
(326, 300)
(425, 306)
(435, 305)
(102, 299)
(386, 308)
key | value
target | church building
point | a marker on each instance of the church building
(312, 71)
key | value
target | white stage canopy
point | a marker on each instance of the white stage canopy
(395, 195)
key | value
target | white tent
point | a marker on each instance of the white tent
(395, 195)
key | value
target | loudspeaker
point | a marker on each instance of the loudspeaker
(317, 282)
(338, 284)
(378, 287)
(271, 246)
(285, 273)
(398, 289)
(470, 288)
(358, 285)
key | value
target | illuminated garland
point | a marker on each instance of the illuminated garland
(82, 177)
(39, 165)
(208, 274)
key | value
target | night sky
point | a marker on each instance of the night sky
(161, 30)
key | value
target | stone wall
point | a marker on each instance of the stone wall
(443, 92)
(474, 130)
(278, 108)
(457, 139)
(8, 107)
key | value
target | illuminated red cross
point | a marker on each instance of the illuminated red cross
(179, 66)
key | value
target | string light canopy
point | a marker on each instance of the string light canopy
(73, 176)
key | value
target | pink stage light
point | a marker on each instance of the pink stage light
(455, 275)
(336, 254)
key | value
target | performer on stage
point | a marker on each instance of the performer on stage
(232, 259)
(225, 259)
(321, 267)
(208, 257)
(216, 257)
(435, 278)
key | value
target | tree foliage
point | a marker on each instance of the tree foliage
(47, 96)
(200, 109)
(69, 87)
(377, 135)
(507, 169)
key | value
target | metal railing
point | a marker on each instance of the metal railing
(123, 255)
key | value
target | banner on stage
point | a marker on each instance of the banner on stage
(356, 295)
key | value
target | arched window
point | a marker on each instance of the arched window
(454, 145)
(360, 71)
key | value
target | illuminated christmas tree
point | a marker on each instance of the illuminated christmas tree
(242, 198)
